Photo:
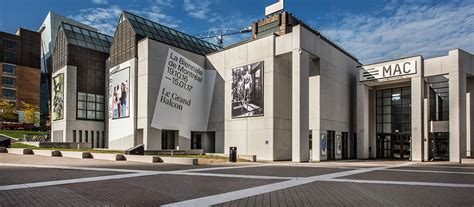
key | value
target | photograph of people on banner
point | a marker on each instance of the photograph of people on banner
(119, 93)
(247, 90)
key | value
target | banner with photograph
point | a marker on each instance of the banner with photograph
(58, 97)
(185, 95)
(338, 144)
(324, 144)
(119, 93)
(247, 91)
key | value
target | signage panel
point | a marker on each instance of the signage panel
(185, 95)
(389, 70)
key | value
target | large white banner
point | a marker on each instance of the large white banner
(185, 96)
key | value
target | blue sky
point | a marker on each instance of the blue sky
(372, 30)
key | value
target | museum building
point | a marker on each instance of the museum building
(182, 92)
(287, 93)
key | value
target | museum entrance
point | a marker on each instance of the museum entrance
(393, 146)
(393, 123)
(168, 139)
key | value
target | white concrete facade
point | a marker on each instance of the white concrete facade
(456, 69)
(63, 129)
(300, 69)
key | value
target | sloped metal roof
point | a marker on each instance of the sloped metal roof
(164, 34)
(86, 38)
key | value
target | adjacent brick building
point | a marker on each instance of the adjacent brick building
(20, 67)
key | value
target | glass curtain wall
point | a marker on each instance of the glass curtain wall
(393, 123)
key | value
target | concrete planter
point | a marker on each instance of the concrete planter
(81, 155)
(180, 160)
(143, 158)
(104, 156)
(20, 151)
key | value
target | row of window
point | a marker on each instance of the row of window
(90, 106)
(86, 136)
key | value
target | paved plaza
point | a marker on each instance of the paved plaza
(31, 180)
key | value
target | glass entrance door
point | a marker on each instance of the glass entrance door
(439, 146)
(393, 123)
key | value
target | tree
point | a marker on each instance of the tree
(30, 112)
(8, 112)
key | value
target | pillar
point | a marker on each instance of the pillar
(457, 116)
(300, 106)
(417, 102)
(362, 121)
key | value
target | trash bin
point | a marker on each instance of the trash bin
(233, 154)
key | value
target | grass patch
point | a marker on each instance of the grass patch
(18, 134)
(21, 145)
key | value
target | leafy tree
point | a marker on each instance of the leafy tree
(30, 111)
(8, 112)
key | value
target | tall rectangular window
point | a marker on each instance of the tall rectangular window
(92, 139)
(9, 69)
(80, 136)
(87, 136)
(74, 136)
(98, 139)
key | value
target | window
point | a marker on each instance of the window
(10, 94)
(74, 136)
(87, 136)
(9, 57)
(7, 44)
(90, 106)
(9, 82)
(9, 69)
(80, 136)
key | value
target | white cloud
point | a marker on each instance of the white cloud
(407, 28)
(199, 9)
(106, 19)
(99, 1)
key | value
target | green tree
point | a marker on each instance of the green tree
(30, 112)
(8, 112)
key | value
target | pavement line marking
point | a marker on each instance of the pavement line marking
(74, 168)
(430, 171)
(73, 181)
(265, 177)
(223, 168)
(413, 183)
(244, 193)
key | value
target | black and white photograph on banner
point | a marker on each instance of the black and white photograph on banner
(247, 90)
(119, 94)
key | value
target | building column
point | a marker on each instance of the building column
(300, 106)
(457, 116)
(363, 119)
(316, 133)
(468, 126)
(417, 102)
(426, 123)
